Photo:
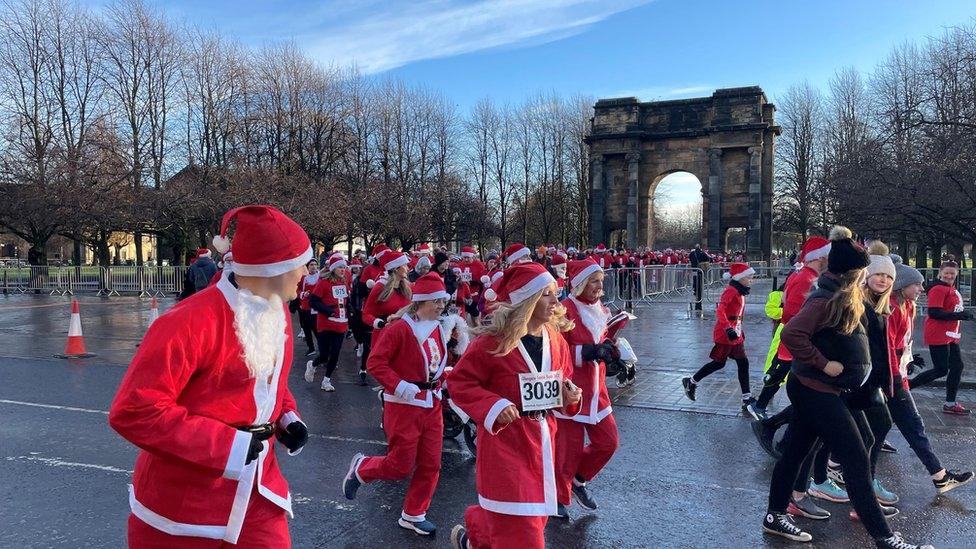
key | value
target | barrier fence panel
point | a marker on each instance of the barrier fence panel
(107, 281)
(629, 287)
(764, 282)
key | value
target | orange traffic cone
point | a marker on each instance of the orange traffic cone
(75, 348)
(153, 311)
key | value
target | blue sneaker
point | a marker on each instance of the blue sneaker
(884, 496)
(350, 484)
(423, 527)
(829, 491)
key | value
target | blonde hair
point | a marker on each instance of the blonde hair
(397, 283)
(846, 308)
(577, 290)
(334, 275)
(509, 323)
(881, 303)
(404, 311)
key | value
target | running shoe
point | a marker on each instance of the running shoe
(423, 527)
(459, 537)
(897, 542)
(885, 496)
(689, 388)
(359, 350)
(781, 524)
(362, 377)
(583, 496)
(952, 479)
(764, 434)
(835, 473)
(829, 491)
(889, 512)
(350, 484)
(310, 371)
(955, 409)
(806, 508)
(327, 385)
(887, 447)
(562, 512)
(757, 413)
(301, 335)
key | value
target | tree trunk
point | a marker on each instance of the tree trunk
(903, 246)
(920, 255)
(138, 237)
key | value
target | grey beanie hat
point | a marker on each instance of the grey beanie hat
(905, 276)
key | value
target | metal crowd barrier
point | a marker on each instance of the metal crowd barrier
(630, 287)
(104, 281)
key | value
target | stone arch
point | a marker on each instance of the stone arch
(725, 140)
(647, 234)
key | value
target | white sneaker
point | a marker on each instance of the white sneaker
(327, 385)
(310, 371)
(359, 350)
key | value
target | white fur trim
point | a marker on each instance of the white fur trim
(237, 456)
(531, 288)
(172, 527)
(267, 270)
(430, 297)
(289, 418)
(221, 243)
(485, 279)
(370, 283)
(377, 322)
(584, 274)
(467, 254)
(338, 265)
(748, 272)
(398, 262)
(493, 413)
(518, 254)
(578, 355)
(820, 252)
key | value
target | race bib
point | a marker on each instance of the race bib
(541, 390)
(466, 276)
(339, 292)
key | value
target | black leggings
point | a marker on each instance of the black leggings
(825, 415)
(307, 322)
(773, 380)
(946, 361)
(741, 363)
(330, 343)
(880, 421)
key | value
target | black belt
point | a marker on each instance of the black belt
(427, 385)
(261, 431)
(536, 414)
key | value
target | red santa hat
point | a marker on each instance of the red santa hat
(523, 281)
(267, 242)
(203, 252)
(468, 251)
(580, 270)
(337, 262)
(600, 248)
(738, 271)
(515, 252)
(379, 250)
(391, 260)
(424, 249)
(428, 288)
(816, 247)
(558, 263)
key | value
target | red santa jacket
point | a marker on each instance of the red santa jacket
(589, 375)
(374, 309)
(798, 285)
(305, 289)
(184, 394)
(516, 471)
(336, 295)
(900, 337)
(728, 314)
(409, 352)
(472, 273)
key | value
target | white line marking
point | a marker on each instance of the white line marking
(55, 462)
(54, 407)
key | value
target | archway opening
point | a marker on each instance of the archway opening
(676, 208)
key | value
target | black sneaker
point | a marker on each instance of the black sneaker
(362, 377)
(459, 537)
(781, 524)
(689, 388)
(747, 401)
(952, 480)
(764, 434)
(562, 512)
(887, 447)
(582, 495)
(897, 542)
(350, 484)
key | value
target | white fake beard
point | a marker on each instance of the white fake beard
(260, 327)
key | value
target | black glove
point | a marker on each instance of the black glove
(451, 344)
(294, 436)
(602, 352)
(472, 309)
(257, 442)
(731, 334)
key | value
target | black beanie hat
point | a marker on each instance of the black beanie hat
(845, 255)
(439, 257)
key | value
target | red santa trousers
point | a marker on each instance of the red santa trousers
(490, 530)
(415, 436)
(265, 527)
(574, 458)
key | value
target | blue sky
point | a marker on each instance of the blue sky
(510, 49)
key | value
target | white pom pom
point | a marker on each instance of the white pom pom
(485, 280)
(726, 275)
(490, 295)
(370, 283)
(221, 243)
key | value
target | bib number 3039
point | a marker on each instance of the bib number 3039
(541, 390)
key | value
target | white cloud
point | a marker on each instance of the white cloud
(392, 35)
(659, 93)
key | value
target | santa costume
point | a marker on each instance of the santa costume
(577, 463)
(727, 335)
(409, 361)
(472, 269)
(517, 253)
(329, 301)
(377, 309)
(306, 317)
(206, 399)
(516, 466)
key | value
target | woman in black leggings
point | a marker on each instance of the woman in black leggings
(829, 343)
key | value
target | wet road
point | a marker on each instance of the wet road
(679, 480)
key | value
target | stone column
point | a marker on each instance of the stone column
(633, 179)
(715, 182)
(598, 204)
(754, 231)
